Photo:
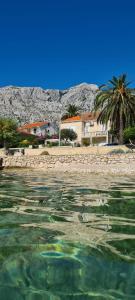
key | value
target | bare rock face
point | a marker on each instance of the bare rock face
(28, 104)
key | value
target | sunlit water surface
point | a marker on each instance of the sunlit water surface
(66, 237)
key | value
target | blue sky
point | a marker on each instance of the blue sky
(59, 43)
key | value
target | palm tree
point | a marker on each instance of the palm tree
(72, 111)
(116, 102)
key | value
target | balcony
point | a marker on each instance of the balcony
(95, 134)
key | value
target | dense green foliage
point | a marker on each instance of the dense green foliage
(8, 132)
(116, 102)
(25, 139)
(10, 137)
(68, 134)
(129, 134)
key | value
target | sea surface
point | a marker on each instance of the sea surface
(66, 236)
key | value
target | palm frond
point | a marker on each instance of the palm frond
(116, 100)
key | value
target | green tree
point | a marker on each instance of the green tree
(72, 111)
(68, 134)
(116, 102)
(8, 132)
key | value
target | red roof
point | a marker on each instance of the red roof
(82, 118)
(72, 119)
(33, 125)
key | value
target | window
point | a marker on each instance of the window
(35, 130)
(91, 123)
(87, 127)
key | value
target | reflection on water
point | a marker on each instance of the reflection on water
(66, 237)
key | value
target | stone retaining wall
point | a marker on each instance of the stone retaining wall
(117, 164)
(71, 150)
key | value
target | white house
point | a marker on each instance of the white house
(39, 129)
(87, 128)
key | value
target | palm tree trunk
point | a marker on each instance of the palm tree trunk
(4, 144)
(121, 129)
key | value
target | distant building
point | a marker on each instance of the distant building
(39, 129)
(87, 128)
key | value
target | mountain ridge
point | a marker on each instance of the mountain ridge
(29, 104)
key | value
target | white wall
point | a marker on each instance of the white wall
(41, 131)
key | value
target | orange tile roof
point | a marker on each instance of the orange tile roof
(28, 126)
(82, 118)
(72, 119)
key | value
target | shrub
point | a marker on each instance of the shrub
(52, 144)
(117, 151)
(129, 134)
(86, 141)
(45, 153)
(77, 144)
(23, 137)
(129, 151)
(24, 143)
(65, 144)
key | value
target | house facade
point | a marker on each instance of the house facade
(87, 128)
(39, 129)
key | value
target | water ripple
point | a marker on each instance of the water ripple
(66, 236)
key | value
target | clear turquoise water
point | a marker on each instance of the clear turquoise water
(66, 237)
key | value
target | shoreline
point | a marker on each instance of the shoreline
(116, 164)
(119, 173)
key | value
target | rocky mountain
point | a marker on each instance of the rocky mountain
(28, 104)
